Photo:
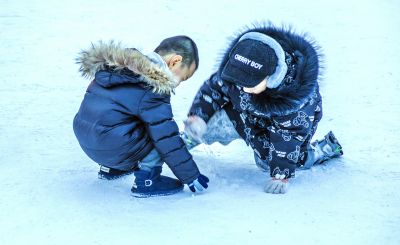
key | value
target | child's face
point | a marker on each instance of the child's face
(182, 72)
(258, 88)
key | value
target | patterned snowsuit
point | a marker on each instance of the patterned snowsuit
(278, 123)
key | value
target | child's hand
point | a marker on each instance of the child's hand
(199, 184)
(195, 127)
(277, 185)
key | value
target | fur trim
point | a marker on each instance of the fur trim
(102, 55)
(286, 98)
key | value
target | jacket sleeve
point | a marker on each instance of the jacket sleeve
(156, 112)
(288, 136)
(210, 98)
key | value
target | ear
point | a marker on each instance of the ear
(174, 60)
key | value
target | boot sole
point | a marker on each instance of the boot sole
(155, 194)
(105, 177)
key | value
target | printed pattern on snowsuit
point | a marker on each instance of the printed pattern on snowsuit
(291, 152)
(282, 140)
(278, 123)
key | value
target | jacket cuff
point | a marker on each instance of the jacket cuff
(286, 169)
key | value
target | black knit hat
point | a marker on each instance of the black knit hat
(250, 62)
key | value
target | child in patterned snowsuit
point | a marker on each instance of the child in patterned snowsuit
(266, 92)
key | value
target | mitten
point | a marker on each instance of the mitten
(199, 184)
(277, 185)
(195, 128)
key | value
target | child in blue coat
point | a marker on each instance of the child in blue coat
(125, 122)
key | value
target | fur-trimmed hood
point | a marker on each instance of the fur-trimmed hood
(112, 64)
(293, 93)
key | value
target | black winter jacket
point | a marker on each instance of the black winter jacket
(125, 114)
(278, 123)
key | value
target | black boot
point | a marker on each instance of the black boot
(112, 173)
(152, 183)
(329, 147)
(323, 150)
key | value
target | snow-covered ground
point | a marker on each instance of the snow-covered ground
(49, 191)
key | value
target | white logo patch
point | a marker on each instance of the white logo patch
(248, 61)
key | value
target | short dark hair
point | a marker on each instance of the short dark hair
(180, 45)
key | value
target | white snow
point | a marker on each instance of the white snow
(49, 191)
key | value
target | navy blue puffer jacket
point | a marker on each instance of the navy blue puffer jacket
(125, 114)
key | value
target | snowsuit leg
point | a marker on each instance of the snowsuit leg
(152, 160)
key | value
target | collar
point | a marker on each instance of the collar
(156, 58)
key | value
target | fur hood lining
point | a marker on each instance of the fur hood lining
(286, 98)
(113, 56)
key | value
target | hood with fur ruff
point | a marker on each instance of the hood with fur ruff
(123, 65)
(291, 95)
